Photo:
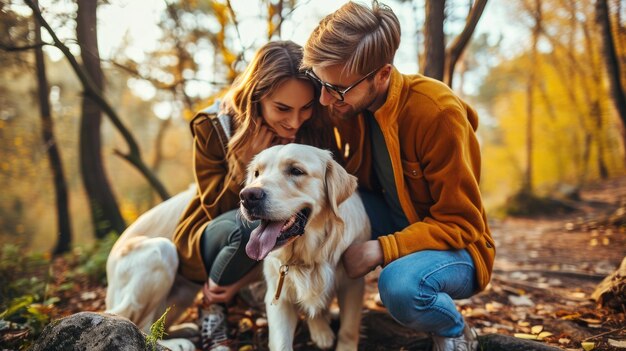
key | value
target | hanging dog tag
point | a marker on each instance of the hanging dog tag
(281, 278)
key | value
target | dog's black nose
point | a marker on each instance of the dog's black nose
(251, 197)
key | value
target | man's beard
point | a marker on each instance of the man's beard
(355, 110)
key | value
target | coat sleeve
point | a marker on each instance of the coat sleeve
(450, 158)
(219, 190)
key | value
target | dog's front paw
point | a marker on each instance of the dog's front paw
(321, 334)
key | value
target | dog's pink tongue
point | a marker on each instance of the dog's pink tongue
(263, 239)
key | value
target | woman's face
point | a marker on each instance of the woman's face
(290, 105)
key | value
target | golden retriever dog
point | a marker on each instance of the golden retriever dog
(309, 214)
(142, 270)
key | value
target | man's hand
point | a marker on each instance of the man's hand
(360, 259)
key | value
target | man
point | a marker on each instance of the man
(412, 144)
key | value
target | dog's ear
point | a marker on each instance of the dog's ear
(339, 185)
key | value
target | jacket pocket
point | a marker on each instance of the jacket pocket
(416, 183)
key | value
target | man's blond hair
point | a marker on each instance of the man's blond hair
(356, 36)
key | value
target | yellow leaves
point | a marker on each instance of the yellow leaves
(271, 27)
(245, 324)
(129, 211)
(538, 337)
(229, 56)
(188, 114)
(587, 345)
(223, 16)
(543, 335)
(493, 306)
(525, 336)
(221, 12)
(536, 333)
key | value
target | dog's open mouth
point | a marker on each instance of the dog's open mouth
(274, 234)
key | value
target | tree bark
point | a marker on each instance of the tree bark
(456, 49)
(611, 292)
(134, 154)
(105, 213)
(527, 186)
(434, 40)
(596, 110)
(611, 59)
(64, 227)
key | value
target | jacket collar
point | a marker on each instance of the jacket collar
(388, 112)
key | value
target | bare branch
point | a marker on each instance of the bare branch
(236, 23)
(287, 15)
(134, 154)
(460, 43)
(10, 48)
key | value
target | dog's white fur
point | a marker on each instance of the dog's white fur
(142, 270)
(316, 273)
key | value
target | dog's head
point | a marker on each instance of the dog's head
(287, 186)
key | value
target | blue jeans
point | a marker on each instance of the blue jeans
(418, 289)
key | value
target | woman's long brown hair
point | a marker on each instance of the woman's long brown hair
(272, 65)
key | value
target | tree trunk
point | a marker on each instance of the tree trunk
(527, 186)
(105, 213)
(434, 40)
(64, 227)
(458, 46)
(611, 59)
(596, 110)
(133, 156)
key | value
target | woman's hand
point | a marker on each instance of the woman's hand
(213, 293)
(265, 138)
(359, 259)
(258, 143)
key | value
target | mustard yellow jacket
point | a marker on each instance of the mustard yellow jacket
(430, 135)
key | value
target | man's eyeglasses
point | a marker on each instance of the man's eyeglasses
(333, 90)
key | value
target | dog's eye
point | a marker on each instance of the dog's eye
(256, 173)
(296, 171)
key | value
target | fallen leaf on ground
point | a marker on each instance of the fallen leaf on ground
(588, 346)
(543, 335)
(536, 329)
(621, 344)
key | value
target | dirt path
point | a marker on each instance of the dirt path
(547, 268)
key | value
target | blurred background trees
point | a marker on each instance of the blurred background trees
(540, 73)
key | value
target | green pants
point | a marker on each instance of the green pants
(223, 247)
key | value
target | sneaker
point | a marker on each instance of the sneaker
(468, 341)
(214, 331)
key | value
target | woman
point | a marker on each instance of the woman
(272, 102)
